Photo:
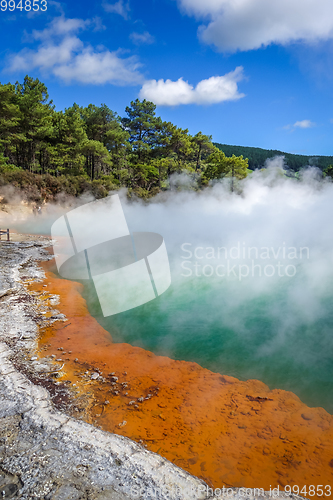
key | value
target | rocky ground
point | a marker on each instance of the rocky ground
(44, 451)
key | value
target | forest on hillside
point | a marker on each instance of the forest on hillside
(258, 156)
(44, 152)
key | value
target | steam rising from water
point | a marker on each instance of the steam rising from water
(278, 329)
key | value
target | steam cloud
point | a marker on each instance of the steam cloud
(277, 329)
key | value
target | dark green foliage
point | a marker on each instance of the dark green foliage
(45, 153)
(258, 156)
(328, 172)
(140, 125)
(34, 122)
(202, 146)
(36, 187)
(220, 166)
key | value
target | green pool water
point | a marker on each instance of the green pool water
(273, 334)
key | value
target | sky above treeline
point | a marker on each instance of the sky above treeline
(248, 72)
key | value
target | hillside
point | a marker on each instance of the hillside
(258, 156)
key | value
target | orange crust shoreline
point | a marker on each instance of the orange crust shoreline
(225, 431)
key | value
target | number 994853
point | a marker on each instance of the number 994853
(26, 5)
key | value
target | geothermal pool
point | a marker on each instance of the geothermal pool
(269, 336)
(270, 320)
(274, 327)
(272, 317)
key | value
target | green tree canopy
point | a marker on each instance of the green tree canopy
(35, 120)
(220, 166)
(202, 144)
(93, 148)
(140, 124)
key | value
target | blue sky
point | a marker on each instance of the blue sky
(248, 72)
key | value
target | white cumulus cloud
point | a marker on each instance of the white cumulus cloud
(60, 26)
(121, 7)
(90, 66)
(300, 124)
(233, 25)
(62, 53)
(304, 124)
(142, 38)
(211, 91)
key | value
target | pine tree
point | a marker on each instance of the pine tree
(10, 135)
(35, 121)
(140, 124)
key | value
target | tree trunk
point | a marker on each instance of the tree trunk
(198, 158)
